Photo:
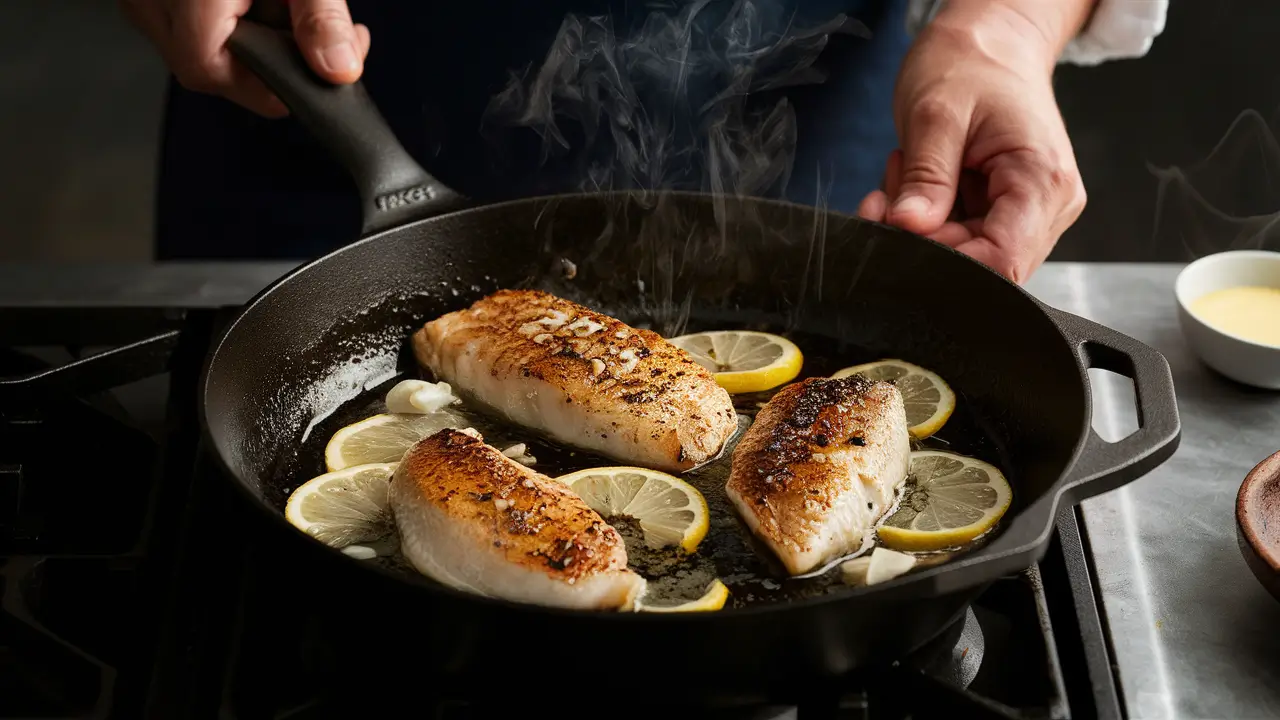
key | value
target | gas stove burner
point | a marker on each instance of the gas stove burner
(958, 654)
(46, 668)
(954, 657)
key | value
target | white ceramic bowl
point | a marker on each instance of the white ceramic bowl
(1241, 360)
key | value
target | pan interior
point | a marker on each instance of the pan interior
(317, 351)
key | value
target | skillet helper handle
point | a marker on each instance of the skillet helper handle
(1103, 466)
(394, 189)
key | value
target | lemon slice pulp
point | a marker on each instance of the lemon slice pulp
(929, 400)
(669, 510)
(950, 500)
(346, 507)
(713, 599)
(384, 438)
(744, 361)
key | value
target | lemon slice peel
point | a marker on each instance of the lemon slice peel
(744, 361)
(954, 500)
(715, 597)
(344, 508)
(928, 399)
(670, 511)
(384, 438)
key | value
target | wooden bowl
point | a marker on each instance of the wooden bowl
(1258, 522)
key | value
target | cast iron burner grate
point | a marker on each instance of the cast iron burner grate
(79, 489)
(116, 601)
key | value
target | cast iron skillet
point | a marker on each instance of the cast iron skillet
(314, 338)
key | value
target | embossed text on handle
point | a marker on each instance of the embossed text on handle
(401, 198)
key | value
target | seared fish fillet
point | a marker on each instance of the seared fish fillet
(582, 378)
(473, 519)
(819, 467)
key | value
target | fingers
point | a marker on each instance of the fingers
(192, 36)
(986, 252)
(893, 174)
(198, 38)
(971, 196)
(248, 91)
(199, 59)
(955, 234)
(874, 206)
(933, 147)
(334, 46)
(1034, 199)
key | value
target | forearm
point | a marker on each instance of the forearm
(1049, 25)
(1082, 32)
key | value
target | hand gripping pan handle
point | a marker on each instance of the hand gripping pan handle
(394, 189)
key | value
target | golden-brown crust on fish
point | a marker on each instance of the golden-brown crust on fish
(650, 392)
(534, 521)
(787, 468)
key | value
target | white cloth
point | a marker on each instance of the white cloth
(1118, 29)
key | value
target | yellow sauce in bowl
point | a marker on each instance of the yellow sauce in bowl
(1252, 313)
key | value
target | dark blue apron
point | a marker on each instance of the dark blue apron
(235, 186)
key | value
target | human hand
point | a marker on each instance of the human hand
(985, 166)
(191, 36)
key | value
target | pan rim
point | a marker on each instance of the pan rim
(911, 586)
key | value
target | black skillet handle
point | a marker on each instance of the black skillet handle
(394, 189)
(1104, 466)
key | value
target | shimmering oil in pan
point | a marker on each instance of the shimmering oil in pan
(729, 551)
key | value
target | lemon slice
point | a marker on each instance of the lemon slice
(950, 500)
(928, 398)
(346, 507)
(744, 361)
(670, 511)
(384, 438)
(713, 599)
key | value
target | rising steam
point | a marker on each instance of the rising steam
(685, 100)
(1228, 201)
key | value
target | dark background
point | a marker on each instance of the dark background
(80, 100)
(1215, 60)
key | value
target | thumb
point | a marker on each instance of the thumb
(932, 146)
(334, 46)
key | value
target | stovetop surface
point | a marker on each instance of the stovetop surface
(123, 595)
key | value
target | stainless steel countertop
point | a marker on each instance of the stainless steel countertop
(1195, 636)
